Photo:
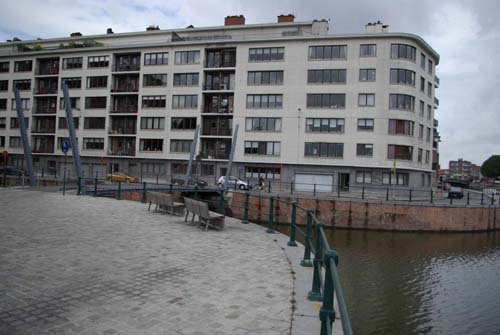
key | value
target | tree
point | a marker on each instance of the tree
(491, 167)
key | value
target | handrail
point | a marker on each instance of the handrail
(326, 285)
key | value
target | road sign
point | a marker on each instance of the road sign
(65, 147)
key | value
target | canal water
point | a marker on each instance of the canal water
(420, 283)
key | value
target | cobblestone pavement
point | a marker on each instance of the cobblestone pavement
(83, 265)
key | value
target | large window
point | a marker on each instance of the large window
(419, 155)
(266, 54)
(265, 78)
(429, 112)
(401, 178)
(427, 156)
(15, 142)
(325, 125)
(328, 52)
(422, 61)
(264, 101)
(183, 123)
(72, 83)
(403, 77)
(2, 122)
(3, 104)
(422, 84)
(95, 102)
(25, 104)
(180, 145)
(184, 101)
(75, 103)
(152, 123)
(364, 149)
(23, 66)
(366, 99)
(22, 84)
(97, 82)
(72, 63)
(402, 152)
(335, 76)
(94, 123)
(401, 127)
(154, 101)
(14, 123)
(402, 101)
(336, 100)
(187, 57)
(269, 124)
(2, 141)
(4, 85)
(321, 149)
(158, 58)
(262, 148)
(151, 144)
(366, 124)
(428, 134)
(186, 79)
(368, 50)
(92, 143)
(363, 177)
(4, 67)
(97, 61)
(266, 172)
(63, 123)
(429, 89)
(159, 79)
(422, 108)
(367, 74)
(403, 51)
(430, 67)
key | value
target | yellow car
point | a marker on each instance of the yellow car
(120, 176)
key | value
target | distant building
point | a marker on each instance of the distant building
(476, 172)
(464, 170)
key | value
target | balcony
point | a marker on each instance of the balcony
(217, 58)
(218, 87)
(219, 81)
(42, 144)
(125, 83)
(436, 102)
(436, 123)
(215, 148)
(218, 104)
(217, 126)
(123, 126)
(126, 104)
(122, 146)
(48, 67)
(127, 63)
(45, 110)
(122, 152)
(46, 86)
(436, 81)
(43, 130)
(46, 90)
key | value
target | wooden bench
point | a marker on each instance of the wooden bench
(166, 202)
(151, 198)
(205, 216)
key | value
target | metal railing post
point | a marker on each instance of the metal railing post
(432, 196)
(293, 223)
(245, 208)
(468, 198)
(409, 199)
(119, 190)
(95, 187)
(306, 261)
(291, 188)
(363, 193)
(314, 190)
(482, 198)
(492, 198)
(221, 201)
(196, 192)
(387, 194)
(315, 293)
(79, 192)
(144, 192)
(42, 173)
(269, 185)
(338, 190)
(270, 229)
(451, 200)
(327, 311)
(157, 179)
(171, 188)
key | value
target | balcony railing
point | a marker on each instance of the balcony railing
(218, 87)
(215, 154)
(48, 70)
(126, 67)
(436, 81)
(122, 131)
(220, 110)
(45, 110)
(125, 88)
(46, 90)
(436, 102)
(41, 130)
(44, 149)
(217, 131)
(122, 152)
(124, 109)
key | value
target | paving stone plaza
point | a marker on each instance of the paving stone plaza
(84, 265)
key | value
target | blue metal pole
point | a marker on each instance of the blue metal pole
(231, 156)
(24, 136)
(72, 133)
(191, 155)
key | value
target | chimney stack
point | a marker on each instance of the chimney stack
(286, 18)
(234, 20)
(77, 34)
(376, 27)
(109, 31)
(152, 28)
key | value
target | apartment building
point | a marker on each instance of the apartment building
(312, 106)
(464, 170)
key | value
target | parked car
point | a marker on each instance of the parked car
(240, 184)
(191, 182)
(12, 170)
(455, 192)
(121, 176)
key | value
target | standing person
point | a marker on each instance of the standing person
(261, 182)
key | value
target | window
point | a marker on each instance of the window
(14, 124)
(153, 168)
(421, 131)
(402, 152)
(270, 124)
(95, 102)
(321, 149)
(23, 66)
(2, 141)
(364, 149)
(152, 123)
(403, 51)
(429, 112)
(63, 124)
(154, 101)
(183, 123)
(326, 76)
(264, 101)
(401, 178)
(367, 74)
(186, 79)
(3, 104)
(428, 135)
(178, 168)
(265, 78)
(25, 104)
(22, 85)
(401, 127)
(159, 58)
(15, 142)
(427, 156)
(422, 108)
(366, 99)
(328, 52)
(402, 77)
(429, 89)
(72, 63)
(365, 124)
(325, 125)
(151, 144)
(429, 68)
(2, 123)
(92, 143)
(4, 85)
(98, 61)
(97, 82)
(184, 101)
(258, 171)
(180, 145)
(75, 103)
(326, 100)
(368, 50)
(94, 123)
(155, 80)
(363, 177)
(419, 155)
(402, 101)
(266, 54)
(187, 57)
(422, 61)
(4, 67)
(72, 83)
(422, 84)
(262, 148)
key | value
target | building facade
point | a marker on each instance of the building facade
(312, 107)
(464, 170)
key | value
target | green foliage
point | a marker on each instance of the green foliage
(491, 167)
(84, 44)
(37, 47)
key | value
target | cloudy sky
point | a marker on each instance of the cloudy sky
(465, 33)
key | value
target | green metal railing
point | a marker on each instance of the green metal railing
(325, 286)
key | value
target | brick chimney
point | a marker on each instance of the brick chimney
(234, 20)
(77, 34)
(286, 18)
(109, 31)
(152, 28)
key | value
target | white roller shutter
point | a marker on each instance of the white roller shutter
(305, 182)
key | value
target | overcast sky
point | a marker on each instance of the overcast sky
(465, 33)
